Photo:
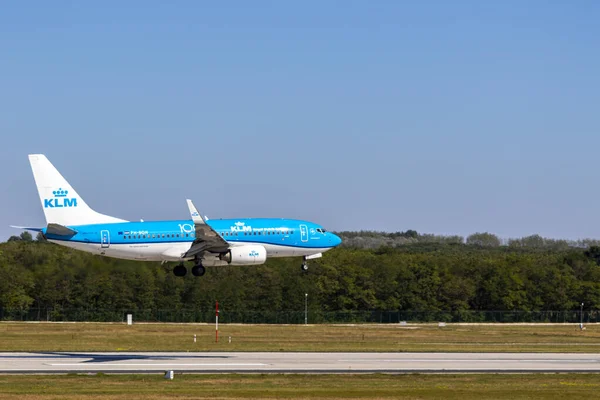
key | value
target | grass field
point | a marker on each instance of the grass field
(150, 387)
(420, 338)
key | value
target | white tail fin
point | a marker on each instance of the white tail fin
(60, 202)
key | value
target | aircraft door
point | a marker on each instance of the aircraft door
(105, 239)
(304, 233)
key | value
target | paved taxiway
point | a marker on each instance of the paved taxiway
(68, 362)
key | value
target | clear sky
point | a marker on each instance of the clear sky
(447, 117)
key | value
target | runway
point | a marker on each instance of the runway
(241, 362)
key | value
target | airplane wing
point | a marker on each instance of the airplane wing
(207, 240)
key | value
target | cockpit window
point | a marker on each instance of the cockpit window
(321, 230)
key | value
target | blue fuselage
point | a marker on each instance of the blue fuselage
(151, 239)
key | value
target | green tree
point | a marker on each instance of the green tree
(593, 253)
(484, 240)
(26, 236)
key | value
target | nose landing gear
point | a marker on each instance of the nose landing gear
(304, 265)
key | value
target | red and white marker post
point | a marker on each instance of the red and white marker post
(217, 324)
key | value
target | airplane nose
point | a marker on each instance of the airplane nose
(335, 240)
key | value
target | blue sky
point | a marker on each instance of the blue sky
(444, 117)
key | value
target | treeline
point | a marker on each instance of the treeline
(374, 240)
(439, 277)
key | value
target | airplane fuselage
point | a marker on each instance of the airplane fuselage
(169, 240)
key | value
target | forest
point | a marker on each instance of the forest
(373, 277)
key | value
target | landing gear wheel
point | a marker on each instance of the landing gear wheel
(304, 267)
(198, 270)
(180, 270)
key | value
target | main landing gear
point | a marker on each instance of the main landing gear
(197, 270)
(180, 270)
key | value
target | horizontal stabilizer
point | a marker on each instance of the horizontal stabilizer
(60, 230)
(27, 228)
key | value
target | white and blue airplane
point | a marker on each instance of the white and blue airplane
(72, 223)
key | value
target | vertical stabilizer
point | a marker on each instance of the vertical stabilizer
(60, 202)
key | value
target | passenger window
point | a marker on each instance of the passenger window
(186, 235)
(178, 235)
(163, 235)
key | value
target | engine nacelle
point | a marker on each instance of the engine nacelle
(245, 255)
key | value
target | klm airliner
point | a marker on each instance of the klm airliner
(72, 223)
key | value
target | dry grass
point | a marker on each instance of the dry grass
(151, 387)
(174, 337)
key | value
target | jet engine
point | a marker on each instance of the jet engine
(245, 255)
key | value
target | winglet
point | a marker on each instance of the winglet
(196, 217)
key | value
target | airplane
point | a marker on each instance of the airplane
(215, 242)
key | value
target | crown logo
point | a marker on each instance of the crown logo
(60, 193)
(240, 224)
